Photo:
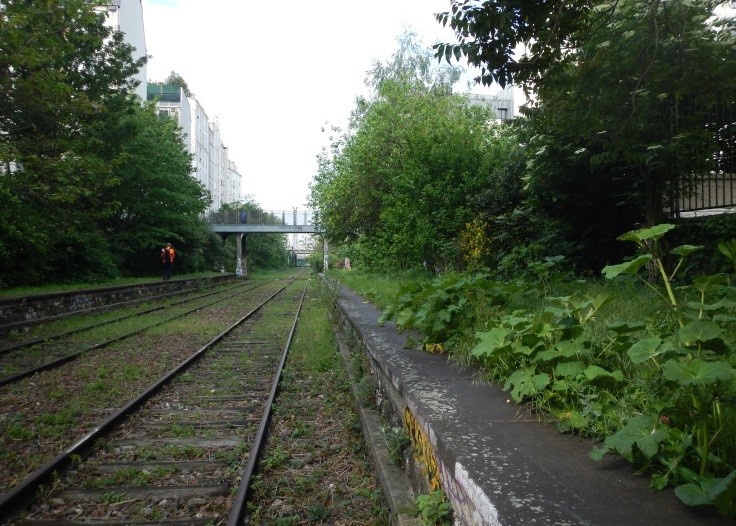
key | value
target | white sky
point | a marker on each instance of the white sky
(274, 73)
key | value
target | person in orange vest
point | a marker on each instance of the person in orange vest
(168, 254)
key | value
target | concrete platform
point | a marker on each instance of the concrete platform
(498, 464)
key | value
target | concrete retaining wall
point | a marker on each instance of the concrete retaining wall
(27, 310)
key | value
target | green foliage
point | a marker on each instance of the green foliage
(622, 117)
(397, 442)
(397, 185)
(156, 199)
(434, 510)
(444, 309)
(545, 30)
(91, 182)
(695, 363)
(659, 391)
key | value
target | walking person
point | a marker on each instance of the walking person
(168, 254)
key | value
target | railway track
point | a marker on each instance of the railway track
(48, 308)
(183, 450)
(24, 359)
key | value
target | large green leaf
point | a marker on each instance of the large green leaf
(647, 349)
(728, 249)
(684, 250)
(569, 369)
(697, 372)
(699, 331)
(490, 341)
(641, 430)
(651, 233)
(525, 383)
(627, 267)
(593, 372)
(722, 304)
(720, 492)
(562, 349)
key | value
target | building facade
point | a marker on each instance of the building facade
(201, 135)
(234, 183)
(203, 140)
(502, 104)
(126, 16)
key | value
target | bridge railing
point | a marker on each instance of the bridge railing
(260, 217)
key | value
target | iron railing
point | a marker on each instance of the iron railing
(261, 217)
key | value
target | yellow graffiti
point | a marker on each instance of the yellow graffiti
(423, 452)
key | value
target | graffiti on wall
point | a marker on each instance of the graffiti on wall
(423, 452)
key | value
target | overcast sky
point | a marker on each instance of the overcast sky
(274, 73)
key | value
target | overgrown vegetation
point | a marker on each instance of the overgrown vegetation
(623, 124)
(657, 386)
(92, 182)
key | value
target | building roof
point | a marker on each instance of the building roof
(164, 92)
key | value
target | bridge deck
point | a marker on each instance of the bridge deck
(253, 222)
(266, 229)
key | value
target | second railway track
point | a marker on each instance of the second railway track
(43, 353)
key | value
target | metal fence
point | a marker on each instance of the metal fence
(262, 217)
(712, 186)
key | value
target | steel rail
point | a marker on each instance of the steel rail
(53, 364)
(237, 511)
(15, 500)
(52, 337)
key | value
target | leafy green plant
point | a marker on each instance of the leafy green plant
(397, 441)
(434, 510)
(659, 390)
(688, 440)
(447, 308)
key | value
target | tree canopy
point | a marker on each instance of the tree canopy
(621, 119)
(91, 180)
(400, 183)
(490, 32)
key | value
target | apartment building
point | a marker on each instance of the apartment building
(502, 104)
(126, 16)
(201, 135)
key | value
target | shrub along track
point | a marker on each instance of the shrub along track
(41, 415)
(42, 353)
(179, 457)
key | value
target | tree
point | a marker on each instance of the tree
(621, 121)
(61, 71)
(400, 184)
(174, 79)
(156, 199)
(490, 32)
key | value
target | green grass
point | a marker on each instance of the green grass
(380, 288)
(313, 444)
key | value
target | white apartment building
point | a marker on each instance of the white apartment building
(126, 16)
(502, 103)
(202, 138)
(234, 182)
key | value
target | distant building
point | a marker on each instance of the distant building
(502, 103)
(126, 16)
(202, 138)
(234, 182)
(171, 102)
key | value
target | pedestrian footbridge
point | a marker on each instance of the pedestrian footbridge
(255, 222)
(245, 222)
